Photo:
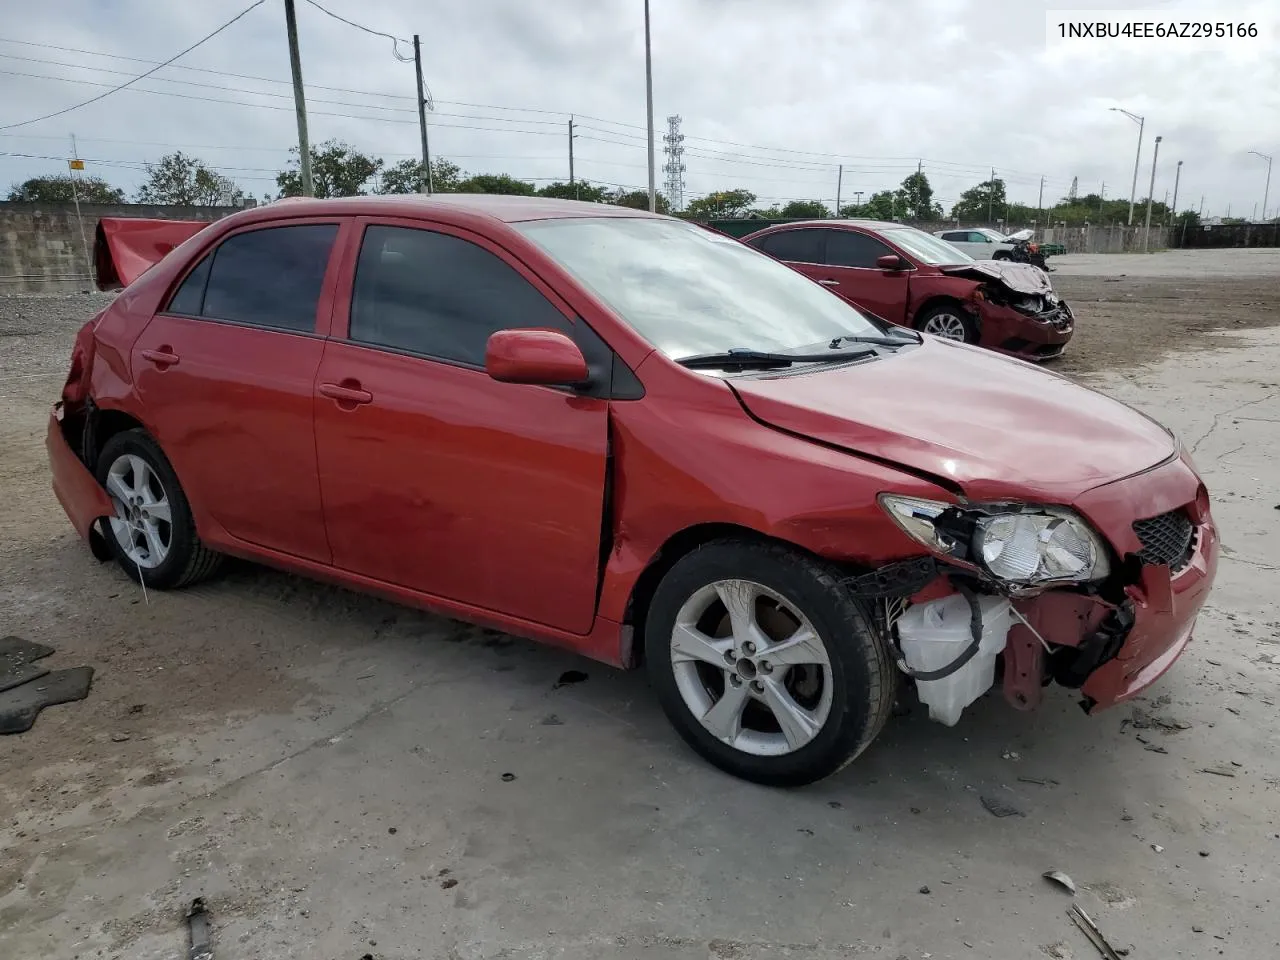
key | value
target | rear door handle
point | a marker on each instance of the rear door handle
(830, 283)
(346, 392)
(164, 357)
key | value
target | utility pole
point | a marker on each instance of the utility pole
(1040, 202)
(572, 182)
(425, 185)
(991, 196)
(648, 93)
(1102, 196)
(1177, 177)
(1146, 236)
(1201, 213)
(74, 165)
(299, 100)
(839, 185)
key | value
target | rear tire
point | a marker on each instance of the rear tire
(764, 663)
(152, 534)
(949, 321)
(1001, 255)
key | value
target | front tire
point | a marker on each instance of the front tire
(152, 534)
(764, 663)
(948, 321)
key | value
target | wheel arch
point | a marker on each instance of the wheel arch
(676, 547)
(943, 299)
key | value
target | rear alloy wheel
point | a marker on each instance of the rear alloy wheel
(949, 322)
(152, 532)
(764, 663)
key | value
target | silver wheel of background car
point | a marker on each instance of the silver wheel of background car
(142, 524)
(751, 668)
(949, 326)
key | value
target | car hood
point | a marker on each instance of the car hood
(1018, 277)
(995, 426)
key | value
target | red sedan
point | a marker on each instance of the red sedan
(908, 277)
(636, 439)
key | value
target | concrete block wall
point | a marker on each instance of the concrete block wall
(42, 245)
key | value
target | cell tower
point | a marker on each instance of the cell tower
(673, 147)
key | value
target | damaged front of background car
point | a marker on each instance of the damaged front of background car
(1007, 295)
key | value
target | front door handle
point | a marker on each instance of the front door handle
(163, 357)
(347, 393)
(830, 283)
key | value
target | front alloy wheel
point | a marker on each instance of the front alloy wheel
(751, 668)
(143, 521)
(946, 324)
(764, 663)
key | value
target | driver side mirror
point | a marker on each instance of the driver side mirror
(891, 261)
(544, 357)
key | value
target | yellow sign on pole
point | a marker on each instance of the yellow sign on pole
(75, 164)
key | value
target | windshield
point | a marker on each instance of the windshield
(922, 246)
(995, 235)
(690, 291)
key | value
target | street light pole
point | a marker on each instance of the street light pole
(1133, 190)
(1146, 236)
(1267, 189)
(648, 92)
(1177, 176)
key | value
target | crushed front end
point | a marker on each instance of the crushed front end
(1018, 310)
(1101, 596)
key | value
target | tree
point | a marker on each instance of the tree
(337, 170)
(58, 189)
(578, 190)
(497, 183)
(884, 205)
(984, 202)
(721, 205)
(185, 181)
(915, 199)
(639, 200)
(804, 209)
(407, 177)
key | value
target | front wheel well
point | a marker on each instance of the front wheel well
(938, 301)
(101, 427)
(679, 545)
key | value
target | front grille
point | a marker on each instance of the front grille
(1167, 540)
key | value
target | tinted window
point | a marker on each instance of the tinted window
(848, 249)
(271, 277)
(798, 246)
(189, 299)
(975, 237)
(961, 235)
(440, 296)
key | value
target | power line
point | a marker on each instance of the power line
(395, 41)
(141, 76)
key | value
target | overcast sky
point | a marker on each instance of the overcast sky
(774, 94)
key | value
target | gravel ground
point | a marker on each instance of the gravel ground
(329, 770)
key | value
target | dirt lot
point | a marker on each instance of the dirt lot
(328, 769)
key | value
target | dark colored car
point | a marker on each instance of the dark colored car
(633, 438)
(908, 277)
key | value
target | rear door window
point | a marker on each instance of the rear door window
(440, 296)
(263, 278)
(845, 248)
(796, 246)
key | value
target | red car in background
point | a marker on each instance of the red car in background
(636, 439)
(910, 278)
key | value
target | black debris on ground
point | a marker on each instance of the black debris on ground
(26, 688)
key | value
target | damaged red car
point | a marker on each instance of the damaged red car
(910, 278)
(635, 439)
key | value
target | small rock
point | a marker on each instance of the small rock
(391, 829)
(551, 720)
(448, 883)
(1010, 755)
(119, 737)
(508, 777)
(1000, 808)
(1157, 848)
(1197, 929)
(926, 891)
(1204, 853)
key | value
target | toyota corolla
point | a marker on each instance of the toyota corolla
(636, 439)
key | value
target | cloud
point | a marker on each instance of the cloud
(773, 95)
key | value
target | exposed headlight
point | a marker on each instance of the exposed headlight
(1016, 544)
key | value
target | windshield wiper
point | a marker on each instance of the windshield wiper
(742, 358)
(901, 335)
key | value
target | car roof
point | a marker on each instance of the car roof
(509, 209)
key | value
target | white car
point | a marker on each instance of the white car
(981, 243)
